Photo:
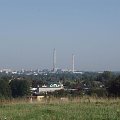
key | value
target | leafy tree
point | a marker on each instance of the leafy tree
(35, 83)
(107, 75)
(20, 88)
(113, 87)
(5, 91)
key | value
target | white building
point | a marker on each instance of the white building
(48, 88)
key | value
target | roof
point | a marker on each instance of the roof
(52, 85)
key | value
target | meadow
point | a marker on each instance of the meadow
(56, 109)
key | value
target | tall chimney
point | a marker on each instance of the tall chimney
(73, 64)
(54, 60)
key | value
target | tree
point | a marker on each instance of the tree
(113, 87)
(5, 91)
(20, 88)
(107, 75)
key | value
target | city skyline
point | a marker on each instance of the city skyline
(29, 30)
(54, 67)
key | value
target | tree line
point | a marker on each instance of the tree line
(13, 88)
(106, 84)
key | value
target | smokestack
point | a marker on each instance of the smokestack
(54, 60)
(73, 64)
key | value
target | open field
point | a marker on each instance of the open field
(78, 109)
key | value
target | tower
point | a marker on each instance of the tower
(73, 64)
(54, 60)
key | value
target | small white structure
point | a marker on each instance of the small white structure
(40, 98)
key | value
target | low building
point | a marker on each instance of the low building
(51, 87)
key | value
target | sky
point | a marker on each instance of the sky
(31, 29)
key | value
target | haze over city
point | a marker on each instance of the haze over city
(89, 29)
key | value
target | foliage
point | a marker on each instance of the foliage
(88, 83)
(20, 88)
(5, 91)
(113, 87)
(99, 92)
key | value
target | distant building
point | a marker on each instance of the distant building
(47, 88)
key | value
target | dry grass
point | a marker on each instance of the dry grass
(86, 108)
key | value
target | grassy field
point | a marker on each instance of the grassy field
(77, 109)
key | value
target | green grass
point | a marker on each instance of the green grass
(74, 110)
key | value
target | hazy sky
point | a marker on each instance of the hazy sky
(31, 29)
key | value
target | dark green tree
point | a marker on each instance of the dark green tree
(5, 91)
(113, 87)
(20, 88)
